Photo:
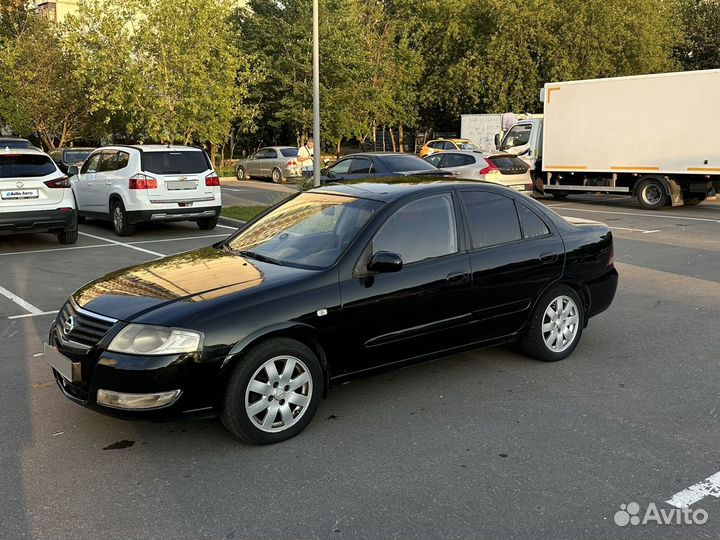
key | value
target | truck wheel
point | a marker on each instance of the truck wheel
(651, 194)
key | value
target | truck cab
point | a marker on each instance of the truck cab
(524, 140)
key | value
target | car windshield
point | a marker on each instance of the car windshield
(308, 231)
(407, 163)
(25, 165)
(76, 156)
(289, 152)
(467, 146)
(175, 162)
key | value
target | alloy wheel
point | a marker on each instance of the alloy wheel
(560, 323)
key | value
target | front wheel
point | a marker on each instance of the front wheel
(651, 194)
(273, 392)
(241, 174)
(555, 326)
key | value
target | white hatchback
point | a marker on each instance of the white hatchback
(143, 183)
(35, 196)
(505, 169)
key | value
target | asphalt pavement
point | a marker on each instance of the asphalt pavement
(484, 444)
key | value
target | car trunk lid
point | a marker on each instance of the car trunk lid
(180, 175)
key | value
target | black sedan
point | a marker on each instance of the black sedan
(340, 280)
(372, 165)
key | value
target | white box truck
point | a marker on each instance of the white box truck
(654, 137)
(481, 129)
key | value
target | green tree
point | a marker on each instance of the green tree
(700, 48)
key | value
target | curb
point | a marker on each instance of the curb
(230, 222)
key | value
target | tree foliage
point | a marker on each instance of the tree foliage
(700, 48)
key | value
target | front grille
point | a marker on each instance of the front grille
(81, 327)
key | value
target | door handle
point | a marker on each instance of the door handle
(90, 184)
(108, 183)
(547, 258)
(457, 277)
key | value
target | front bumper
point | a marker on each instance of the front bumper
(39, 220)
(188, 213)
(191, 386)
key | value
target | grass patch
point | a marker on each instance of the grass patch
(227, 170)
(242, 213)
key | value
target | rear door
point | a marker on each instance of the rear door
(515, 254)
(253, 163)
(269, 160)
(84, 183)
(457, 163)
(22, 182)
(360, 167)
(180, 175)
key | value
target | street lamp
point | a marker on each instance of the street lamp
(316, 95)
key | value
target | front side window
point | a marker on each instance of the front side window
(309, 231)
(518, 135)
(422, 229)
(341, 167)
(435, 159)
(492, 218)
(360, 166)
(175, 162)
(91, 165)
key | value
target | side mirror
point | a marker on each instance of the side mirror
(325, 172)
(384, 262)
(497, 141)
(72, 170)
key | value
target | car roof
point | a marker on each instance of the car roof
(377, 154)
(395, 187)
(152, 147)
(16, 151)
(451, 140)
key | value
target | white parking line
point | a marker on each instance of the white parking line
(634, 230)
(27, 306)
(124, 244)
(227, 227)
(54, 249)
(649, 214)
(691, 495)
(178, 239)
(33, 314)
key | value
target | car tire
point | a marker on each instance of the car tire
(207, 224)
(560, 308)
(259, 384)
(81, 220)
(651, 194)
(277, 176)
(68, 237)
(241, 174)
(119, 219)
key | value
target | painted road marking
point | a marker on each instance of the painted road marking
(54, 249)
(227, 227)
(178, 239)
(124, 244)
(650, 215)
(643, 231)
(27, 306)
(691, 495)
(33, 314)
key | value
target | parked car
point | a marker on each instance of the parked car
(64, 157)
(506, 169)
(276, 162)
(332, 282)
(134, 184)
(35, 195)
(371, 165)
(16, 142)
(439, 145)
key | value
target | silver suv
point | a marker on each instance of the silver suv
(142, 183)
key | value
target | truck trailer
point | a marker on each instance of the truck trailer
(654, 137)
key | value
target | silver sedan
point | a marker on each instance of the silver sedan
(276, 162)
(506, 169)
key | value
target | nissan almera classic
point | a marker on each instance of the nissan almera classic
(336, 281)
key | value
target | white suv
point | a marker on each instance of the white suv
(141, 183)
(35, 195)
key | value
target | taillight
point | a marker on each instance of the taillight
(611, 259)
(212, 180)
(142, 181)
(61, 182)
(490, 168)
(291, 163)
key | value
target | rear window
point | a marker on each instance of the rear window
(76, 156)
(289, 152)
(175, 162)
(15, 143)
(506, 163)
(27, 165)
(407, 163)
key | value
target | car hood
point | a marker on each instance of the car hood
(197, 276)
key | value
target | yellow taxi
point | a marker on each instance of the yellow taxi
(439, 145)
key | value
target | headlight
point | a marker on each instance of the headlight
(155, 340)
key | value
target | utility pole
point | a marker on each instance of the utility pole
(316, 95)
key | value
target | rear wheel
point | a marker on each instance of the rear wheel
(120, 219)
(555, 326)
(277, 176)
(273, 392)
(651, 194)
(68, 237)
(207, 224)
(82, 219)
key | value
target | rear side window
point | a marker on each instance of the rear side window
(532, 225)
(25, 166)
(122, 160)
(492, 218)
(457, 160)
(175, 162)
(289, 152)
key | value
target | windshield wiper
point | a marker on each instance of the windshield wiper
(259, 257)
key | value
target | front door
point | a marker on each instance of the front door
(426, 306)
(85, 183)
(514, 256)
